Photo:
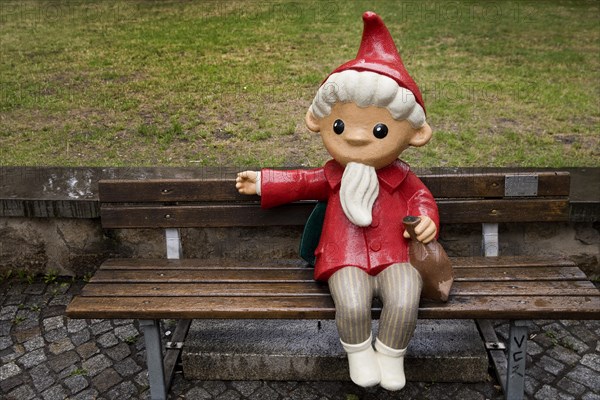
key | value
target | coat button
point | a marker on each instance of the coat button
(375, 246)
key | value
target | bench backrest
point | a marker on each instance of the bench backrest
(462, 198)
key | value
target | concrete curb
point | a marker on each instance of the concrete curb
(440, 351)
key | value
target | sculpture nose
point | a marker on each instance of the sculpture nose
(357, 138)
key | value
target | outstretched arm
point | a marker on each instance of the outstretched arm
(277, 187)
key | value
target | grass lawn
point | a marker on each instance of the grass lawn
(211, 83)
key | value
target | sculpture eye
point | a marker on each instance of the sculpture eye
(380, 131)
(338, 126)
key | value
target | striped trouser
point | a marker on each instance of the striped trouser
(399, 289)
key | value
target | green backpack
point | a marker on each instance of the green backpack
(312, 233)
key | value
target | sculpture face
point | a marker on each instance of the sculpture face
(367, 135)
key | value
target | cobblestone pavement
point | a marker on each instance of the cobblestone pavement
(45, 355)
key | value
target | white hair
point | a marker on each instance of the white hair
(367, 88)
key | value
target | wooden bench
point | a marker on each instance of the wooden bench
(486, 287)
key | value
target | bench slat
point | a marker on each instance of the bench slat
(202, 307)
(442, 185)
(516, 307)
(519, 274)
(489, 185)
(225, 263)
(234, 215)
(169, 190)
(250, 289)
(285, 275)
(510, 262)
(205, 275)
(317, 307)
(523, 288)
(296, 214)
(460, 288)
(496, 211)
(195, 263)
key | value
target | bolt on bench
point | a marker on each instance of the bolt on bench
(490, 286)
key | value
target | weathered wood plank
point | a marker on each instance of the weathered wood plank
(468, 185)
(195, 263)
(525, 288)
(227, 263)
(496, 211)
(290, 275)
(510, 261)
(491, 185)
(251, 289)
(494, 274)
(316, 307)
(296, 214)
(204, 275)
(235, 215)
(554, 183)
(209, 307)
(515, 307)
(170, 190)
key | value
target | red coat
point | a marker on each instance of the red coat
(342, 243)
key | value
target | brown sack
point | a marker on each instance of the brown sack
(432, 263)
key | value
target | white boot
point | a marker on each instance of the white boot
(364, 368)
(391, 365)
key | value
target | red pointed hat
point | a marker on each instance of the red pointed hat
(378, 53)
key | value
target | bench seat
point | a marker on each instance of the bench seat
(498, 287)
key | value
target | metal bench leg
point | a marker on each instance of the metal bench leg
(173, 349)
(517, 357)
(156, 375)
